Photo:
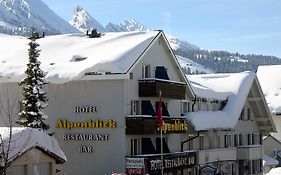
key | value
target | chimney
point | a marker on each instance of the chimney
(94, 33)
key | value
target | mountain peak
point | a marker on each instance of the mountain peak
(132, 25)
(83, 21)
(78, 9)
(19, 16)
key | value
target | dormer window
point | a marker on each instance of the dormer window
(146, 71)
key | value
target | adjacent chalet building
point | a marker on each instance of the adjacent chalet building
(271, 84)
(229, 116)
(103, 94)
(30, 152)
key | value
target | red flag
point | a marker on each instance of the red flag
(159, 113)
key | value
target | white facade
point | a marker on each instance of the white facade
(233, 148)
(88, 115)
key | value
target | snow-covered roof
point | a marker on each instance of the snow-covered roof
(24, 139)
(232, 87)
(269, 161)
(68, 57)
(270, 82)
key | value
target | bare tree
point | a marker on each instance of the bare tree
(8, 112)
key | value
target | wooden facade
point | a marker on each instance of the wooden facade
(169, 89)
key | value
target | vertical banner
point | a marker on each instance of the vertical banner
(135, 166)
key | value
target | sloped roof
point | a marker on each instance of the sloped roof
(24, 139)
(68, 57)
(233, 87)
(270, 81)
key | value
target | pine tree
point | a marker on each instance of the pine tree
(34, 96)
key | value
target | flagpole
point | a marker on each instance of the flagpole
(161, 142)
(162, 161)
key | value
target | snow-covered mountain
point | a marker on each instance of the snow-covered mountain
(19, 16)
(133, 25)
(176, 44)
(83, 21)
(126, 26)
(192, 67)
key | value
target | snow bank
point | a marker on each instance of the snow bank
(233, 87)
(68, 57)
(23, 139)
(275, 171)
(270, 81)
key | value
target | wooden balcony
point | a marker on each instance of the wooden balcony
(143, 125)
(249, 152)
(150, 87)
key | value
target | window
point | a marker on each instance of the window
(41, 169)
(218, 141)
(184, 108)
(135, 107)
(190, 143)
(165, 145)
(135, 146)
(201, 142)
(249, 139)
(256, 166)
(236, 140)
(161, 73)
(146, 71)
(256, 139)
(244, 114)
(243, 139)
(228, 140)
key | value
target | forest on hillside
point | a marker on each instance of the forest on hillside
(226, 62)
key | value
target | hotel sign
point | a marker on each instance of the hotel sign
(152, 163)
(135, 166)
(87, 139)
(148, 125)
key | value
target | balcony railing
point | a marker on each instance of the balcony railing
(215, 155)
(150, 87)
(249, 152)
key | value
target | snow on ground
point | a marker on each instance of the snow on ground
(187, 63)
(233, 87)
(23, 139)
(275, 171)
(270, 81)
(67, 57)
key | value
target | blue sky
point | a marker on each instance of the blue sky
(246, 26)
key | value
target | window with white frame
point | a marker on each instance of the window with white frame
(42, 169)
(201, 142)
(243, 139)
(185, 107)
(256, 166)
(245, 114)
(218, 141)
(228, 140)
(146, 71)
(190, 143)
(135, 107)
(135, 145)
(256, 139)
